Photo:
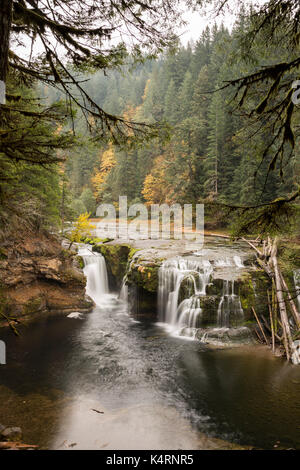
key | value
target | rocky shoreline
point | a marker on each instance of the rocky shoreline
(11, 439)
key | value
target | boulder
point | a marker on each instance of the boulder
(226, 336)
(11, 434)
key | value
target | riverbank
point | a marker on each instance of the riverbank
(39, 278)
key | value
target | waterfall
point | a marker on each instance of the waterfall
(230, 305)
(123, 295)
(96, 274)
(238, 261)
(189, 311)
(182, 290)
(195, 274)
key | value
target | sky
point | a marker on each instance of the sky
(196, 22)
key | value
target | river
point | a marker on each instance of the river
(107, 381)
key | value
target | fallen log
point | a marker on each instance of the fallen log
(287, 336)
(271, 322)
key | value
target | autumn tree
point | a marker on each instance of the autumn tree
(82, 228)
(154, 189)
(107, 163)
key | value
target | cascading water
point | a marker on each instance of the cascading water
(123, 295)
(229, 306)
(189, 311)
(238, 261)
(196, 275)
(96, 274)
(182, 288)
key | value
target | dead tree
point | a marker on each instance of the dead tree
(267, 259)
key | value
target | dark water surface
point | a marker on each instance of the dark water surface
(154, 391)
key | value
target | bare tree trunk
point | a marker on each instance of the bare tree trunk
(294, 310)
(287, 336)
(271, 323)
(267, 259)
(5, 25)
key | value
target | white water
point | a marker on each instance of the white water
(230, 305)
(189, 311)
(96, 274)
(238, 261)
(195, 275)
(124, 291)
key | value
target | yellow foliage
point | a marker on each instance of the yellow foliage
(155, 187)
(146, 90)
(108, 162)
(82, 228)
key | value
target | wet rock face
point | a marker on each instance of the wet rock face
(10, 433)
(142, 303)
(39, 277)
(116, 257)
(209, 305)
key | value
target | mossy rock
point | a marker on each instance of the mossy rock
(209, 306)
(132, 252)
(187, 289)
(66, 254)
(289, 256)
(145, 276)
(215, 287)
(80, 261)
(7, 306)
(95, 240)
(116, 257)
(289, 262)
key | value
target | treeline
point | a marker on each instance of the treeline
(212, 153)
(214, 150)
(236, 144)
